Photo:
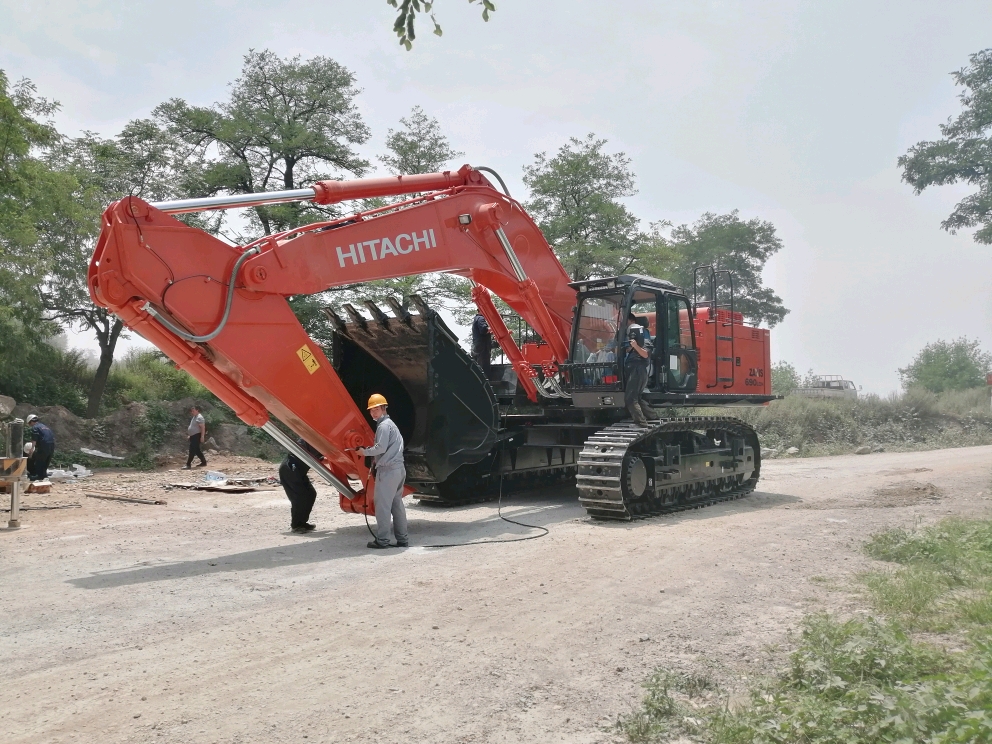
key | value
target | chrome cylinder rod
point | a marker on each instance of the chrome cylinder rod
(518, 269)
(289, 443)
(233, 201)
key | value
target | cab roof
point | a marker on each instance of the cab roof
(623, 281)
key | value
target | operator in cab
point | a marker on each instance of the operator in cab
(390, 476)
(635, 367)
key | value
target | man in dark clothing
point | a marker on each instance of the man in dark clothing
(44, 447)
(636, 364)
(299, 490)
(482, 343)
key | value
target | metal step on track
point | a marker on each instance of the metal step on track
(600, 479)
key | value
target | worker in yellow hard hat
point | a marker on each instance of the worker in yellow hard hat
(390, 476)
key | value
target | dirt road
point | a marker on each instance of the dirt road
(207, 621)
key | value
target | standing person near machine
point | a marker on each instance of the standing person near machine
(390, 475)
(482, 343)
(299, 490)
(43, 439)
(635, 367)
(197, 432)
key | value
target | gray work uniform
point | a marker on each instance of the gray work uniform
(390, 475)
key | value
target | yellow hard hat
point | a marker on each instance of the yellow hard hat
(376, 400)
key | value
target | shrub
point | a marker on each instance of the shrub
(948, 365)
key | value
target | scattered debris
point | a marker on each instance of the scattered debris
(42, 486)
(792, 451)
(864, 450)
(110, 496)
(98, 453)
(222, 487)
(78, 471)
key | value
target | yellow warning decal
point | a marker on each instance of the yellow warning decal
(309, 360)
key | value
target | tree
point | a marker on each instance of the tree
(575, 200)
(31, 192)
(406, 17)
(785, 378)
(419, 146)
(287, 123)
(964, 154)
(138, 161)
(948, 365)
(742, 247)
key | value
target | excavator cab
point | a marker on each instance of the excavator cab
(601, 335)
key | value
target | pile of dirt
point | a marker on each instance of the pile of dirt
(157, 429)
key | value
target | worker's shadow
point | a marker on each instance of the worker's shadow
(349, 542)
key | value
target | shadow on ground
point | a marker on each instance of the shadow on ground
(541, 510)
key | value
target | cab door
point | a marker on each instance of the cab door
(678, 355)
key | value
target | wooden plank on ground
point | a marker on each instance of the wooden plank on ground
(111, 496)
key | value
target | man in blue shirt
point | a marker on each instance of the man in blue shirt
(44, 448)
(636, 363)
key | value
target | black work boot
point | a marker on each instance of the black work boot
(637, 415)
(649, 413)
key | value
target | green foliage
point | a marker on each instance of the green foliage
(155, 425)
(287, 123)
(148, 375)
(964, 154)
(665, 710)
(944, 577)
(575, 200)
(419, 146)
(785, 378)
(406, 17)
(864, 681)
(915, 420)
(32, 371)
(948, 365)
(742, 247)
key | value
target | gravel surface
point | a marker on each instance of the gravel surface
(206, 620)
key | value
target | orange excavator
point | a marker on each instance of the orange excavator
(553, 412)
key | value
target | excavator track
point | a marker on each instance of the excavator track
(628, 472)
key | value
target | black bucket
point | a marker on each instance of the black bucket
(438, 397)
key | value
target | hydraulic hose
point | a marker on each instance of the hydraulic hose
(490, 170)
(183, 334)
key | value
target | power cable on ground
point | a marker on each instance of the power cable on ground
(499, 511)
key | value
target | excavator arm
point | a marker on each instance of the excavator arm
(220, 312)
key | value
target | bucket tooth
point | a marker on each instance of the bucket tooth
(356, 317)
(380, 317)
(401, 313)
(339, 325)
(422, 308)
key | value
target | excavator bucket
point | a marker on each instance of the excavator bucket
(438, 397)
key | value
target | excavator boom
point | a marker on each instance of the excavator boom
(220, 312)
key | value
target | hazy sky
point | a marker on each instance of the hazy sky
(794, 112)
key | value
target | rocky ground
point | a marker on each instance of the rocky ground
(206, 620)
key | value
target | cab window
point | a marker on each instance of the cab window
(678, 330)
(595, 337)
